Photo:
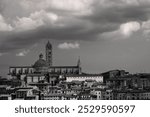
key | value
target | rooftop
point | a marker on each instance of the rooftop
(84, 75)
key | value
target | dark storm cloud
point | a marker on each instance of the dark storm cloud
(20, 40)
(103, 17)
(120, 15)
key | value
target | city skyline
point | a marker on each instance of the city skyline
(45, 81)
(105, 34)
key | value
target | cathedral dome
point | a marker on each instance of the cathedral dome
(41, 62)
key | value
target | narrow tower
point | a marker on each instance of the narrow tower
(49, 53)
(79, 66)
(79, 62)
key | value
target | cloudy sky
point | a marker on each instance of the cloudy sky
(106, 34)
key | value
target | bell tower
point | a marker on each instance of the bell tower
(79, 66)
(49, 53)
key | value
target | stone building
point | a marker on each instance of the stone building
(43, 69)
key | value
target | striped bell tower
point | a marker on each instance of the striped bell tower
(79, 66)
(49, 53)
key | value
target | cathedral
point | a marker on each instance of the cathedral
(43, 69)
